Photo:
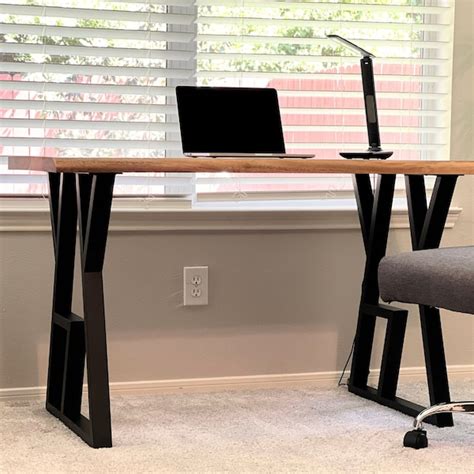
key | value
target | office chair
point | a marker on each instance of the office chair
(433, 279)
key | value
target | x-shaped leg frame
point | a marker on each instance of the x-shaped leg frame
(86, 199)
(375, 208)
(427, 224)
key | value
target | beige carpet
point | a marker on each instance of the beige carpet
(277, 430)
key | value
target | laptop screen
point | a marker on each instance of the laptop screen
(229, 120)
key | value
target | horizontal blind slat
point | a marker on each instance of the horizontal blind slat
(318, 41)
(88, 106)
(84, 143)
(87, 88)
(90, 125)
(104, 33)
(94, 13)
(358, 146)
(345, 111)
(207, 73)
(360, 25)
(178, 3)
(103, 52)
(315, 58)
(16, 67)
(120, 180)
(329, 6)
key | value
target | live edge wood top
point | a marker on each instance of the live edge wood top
(238, 165)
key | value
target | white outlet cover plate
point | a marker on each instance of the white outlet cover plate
(188, 274)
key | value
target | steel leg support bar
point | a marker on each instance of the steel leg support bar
(89, 198)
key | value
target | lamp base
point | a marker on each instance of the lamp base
(366, 155)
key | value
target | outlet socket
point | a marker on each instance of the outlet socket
(196, 286)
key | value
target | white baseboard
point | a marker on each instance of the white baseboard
(246, 382)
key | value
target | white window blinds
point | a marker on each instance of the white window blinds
(283, 44)
(94, 78)
(97, 78)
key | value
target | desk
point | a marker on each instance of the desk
(81, 191)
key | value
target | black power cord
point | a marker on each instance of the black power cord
(340, 383)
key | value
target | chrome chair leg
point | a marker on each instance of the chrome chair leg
(416, 438)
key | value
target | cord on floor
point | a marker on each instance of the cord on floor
(340, 383)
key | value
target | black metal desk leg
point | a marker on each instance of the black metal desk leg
(73, 338)
(427, 225)
(374, 214)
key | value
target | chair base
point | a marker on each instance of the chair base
(417, 438)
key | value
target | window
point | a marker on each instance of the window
(94, 78)
(97, 78)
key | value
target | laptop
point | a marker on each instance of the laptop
(370, 103)
(231, 122)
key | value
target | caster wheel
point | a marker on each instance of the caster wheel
(415, 439)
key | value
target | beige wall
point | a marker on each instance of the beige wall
(280, 302)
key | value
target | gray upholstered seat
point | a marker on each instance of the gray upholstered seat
(443, 278)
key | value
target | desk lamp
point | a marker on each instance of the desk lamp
(367, 72)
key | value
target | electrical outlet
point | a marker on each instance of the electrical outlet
(196, 279)
(196, 286)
